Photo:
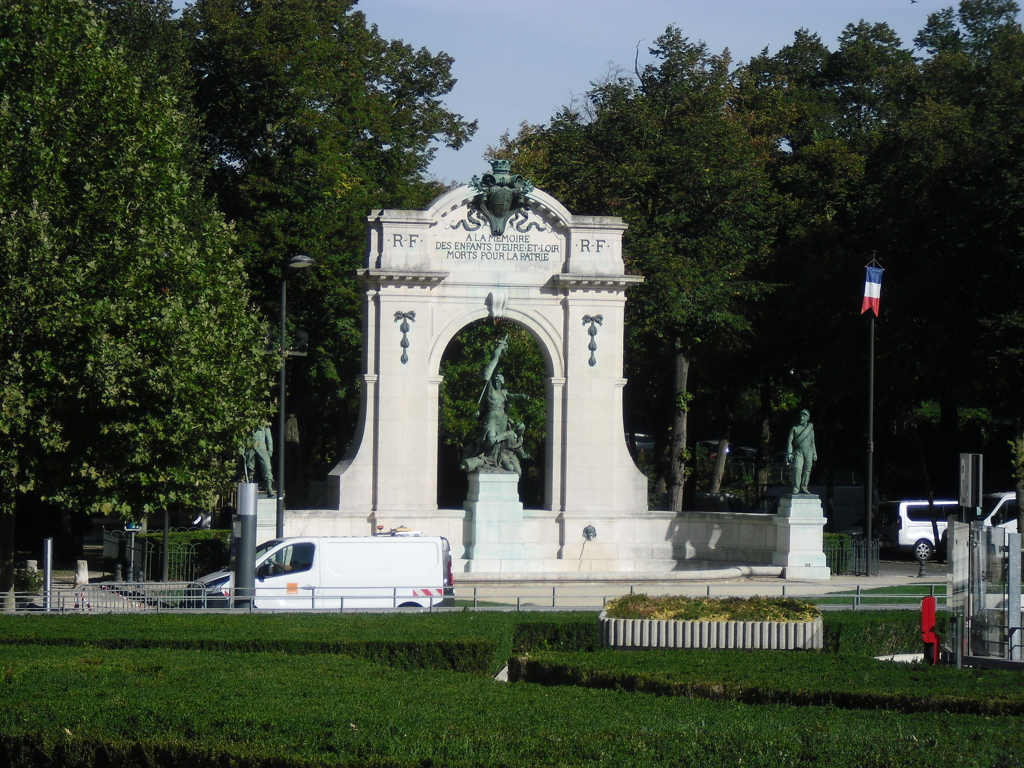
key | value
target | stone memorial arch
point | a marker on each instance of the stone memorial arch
(500, 248)
(430, 273)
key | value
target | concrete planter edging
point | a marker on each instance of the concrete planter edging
(757, 635)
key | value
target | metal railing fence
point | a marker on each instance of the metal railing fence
(850, 556)
(139, 597)
(146, 557)
(182, 561)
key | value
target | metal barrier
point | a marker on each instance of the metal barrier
(837, 556)
(299, 597)
(850, 556)
(182, 562)
(132, 597)
(146, 557)
(859, 556)
(152, 597)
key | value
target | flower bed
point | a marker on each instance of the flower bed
(639, 621)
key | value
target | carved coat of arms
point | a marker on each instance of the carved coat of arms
(501, 194)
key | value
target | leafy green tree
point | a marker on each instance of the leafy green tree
(667, 152)
(131, 359)
(823, 115)
(914, 159)
(310, 120)
(152, 41)
(953, 203)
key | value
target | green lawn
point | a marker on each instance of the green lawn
(222, 690)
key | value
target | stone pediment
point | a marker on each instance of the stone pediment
(540, 240)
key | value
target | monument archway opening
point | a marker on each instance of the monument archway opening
(525, 370)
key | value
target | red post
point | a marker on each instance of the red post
(928, 634)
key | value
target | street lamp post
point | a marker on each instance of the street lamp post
(300, 261)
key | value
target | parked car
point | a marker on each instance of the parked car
(906, 526)
(721, 502)
(732, 451)
(395, 571)
(642, 441)
(1000, 510)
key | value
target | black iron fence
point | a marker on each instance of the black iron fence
(142, 560)
(848, 555)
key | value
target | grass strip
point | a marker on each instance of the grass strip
(132, 708)
(782, 677)
(908, 595)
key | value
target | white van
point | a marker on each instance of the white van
(339, 573)
(907, 525)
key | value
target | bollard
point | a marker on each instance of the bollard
(81, 573)
(118, 577)
(929, 637)
(244, 528)
(920, 571)
(47, 574)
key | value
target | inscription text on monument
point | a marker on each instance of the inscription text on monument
(482, 247)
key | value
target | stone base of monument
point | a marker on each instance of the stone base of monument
(798, 546)
(494, 521)
(551, 544)
(266, 520)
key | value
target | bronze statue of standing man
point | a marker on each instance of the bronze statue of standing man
(800, 452)
(260, 447)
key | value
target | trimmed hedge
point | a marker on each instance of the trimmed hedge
(134, 708)
(569, 632)
(460, 641)
(479, 642)
(863, 633)
(876, 633)
(764, 677)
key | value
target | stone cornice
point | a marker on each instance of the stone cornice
(596, 282)
(395, 277)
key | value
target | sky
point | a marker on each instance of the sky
(520, 60)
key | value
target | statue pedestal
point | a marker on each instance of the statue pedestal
(798, 537)
(494, 521)
(266, 519)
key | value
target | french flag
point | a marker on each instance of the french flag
(872, 290)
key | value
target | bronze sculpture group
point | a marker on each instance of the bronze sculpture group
(499, 446)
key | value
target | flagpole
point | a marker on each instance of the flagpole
(872, 297)
(869, 482)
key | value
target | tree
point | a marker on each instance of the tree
(667, 152)
(310, 120)
(824, 116)
(955, 203)
(130, 352)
